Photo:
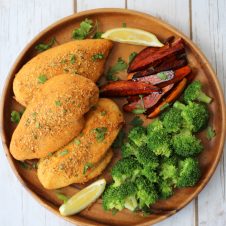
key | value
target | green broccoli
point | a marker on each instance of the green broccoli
(165, 189)
(125, 169)
(146, 192)
(129, 149)
(138, 135)
(194, 92)
(147, 158)
(189, 172)
(120, 197)
(150, 174)
(195, 115)
(172, 120)
(185, 144)
(158, 139)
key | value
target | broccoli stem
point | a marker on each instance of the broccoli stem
(179, 105)
(131, 203)
(204, 98)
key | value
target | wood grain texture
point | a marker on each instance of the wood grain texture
(20, 21)
(209, 32)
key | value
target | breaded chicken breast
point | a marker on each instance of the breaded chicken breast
(54, 116)
(72, 163)
(83, 57)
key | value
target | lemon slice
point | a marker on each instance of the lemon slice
(132, 36)
(83, 198)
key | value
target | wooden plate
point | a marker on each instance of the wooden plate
(111, 18)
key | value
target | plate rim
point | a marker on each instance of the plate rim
(11, 74)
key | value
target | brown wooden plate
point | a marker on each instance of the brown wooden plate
(112, 18)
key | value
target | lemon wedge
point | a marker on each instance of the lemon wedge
(83, 198)
(132, 36)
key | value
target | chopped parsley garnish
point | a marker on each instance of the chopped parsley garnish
(15, 116)
(37, 125)
(103, 113)
(140, 109)
(210, 133)
(63, 61)
(42, 79)
(98, 56)
(57, 103)
(162, 75)
(50, 154)
(120, 65)
(132, 56)
(64, 152)
(137, 121)
(119, 140)
(83, 31)
(100, 133)
(72, 59)
(166, 105)
(42, 47)
(24, 165)
(61, 196)
(97, 35)
(87, 166)
(124, 24)
(77, 141)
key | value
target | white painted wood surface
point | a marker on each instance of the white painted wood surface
(21, 20)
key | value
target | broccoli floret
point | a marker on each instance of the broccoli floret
(189, 172)
(138, 135)
(147, 158)
(150, 174)
(146, 192)
(195, 115)
(129, 149)
(158, 139)
(120, 197)
(165, 189)
(185, 144)
(125, 169)
(194, 92)
(168, 170)
(172, 120)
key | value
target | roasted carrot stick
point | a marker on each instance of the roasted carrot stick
(171, 98)
(127, 88)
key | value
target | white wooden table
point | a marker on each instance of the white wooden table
(204, 21)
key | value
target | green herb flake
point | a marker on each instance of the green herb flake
(34, 115)
(63, 61)
(61, 196)
(100, 133)
(77, 141)
(58, 103)
(16, 116)
(138, 111)
(35, 165)
(124, 24)
(132, 56)
(24, 165)
(83, 31)
(64, 152)
(103, 113)
(50, 154)
(98, 56)
(42, 47)
(210, 133)
(97, 35)
(137, 121)
(42, 79)
(162, 75)
(119, 140)
(72, 59)
(37, 125)
(164, 106)
(120, 65)
(87, 166)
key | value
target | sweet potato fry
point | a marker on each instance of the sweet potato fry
(127, 88)
(153, 56)
(169, 99)
(172, 63)
(147, 101)
(171, 77)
